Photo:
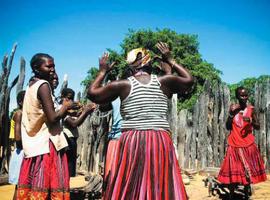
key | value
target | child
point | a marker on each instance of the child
(17, 155)
(44, 170)
(71, 123)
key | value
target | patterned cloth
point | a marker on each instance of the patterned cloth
(146, 106)
(145, 56)
(241, 133)
(44, 177)
(242, 165)
(110, 165)
(145, 167)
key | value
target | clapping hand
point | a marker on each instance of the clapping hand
(90, 107)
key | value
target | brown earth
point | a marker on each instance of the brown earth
(196, 190)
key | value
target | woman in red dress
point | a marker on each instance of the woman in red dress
(243, 163)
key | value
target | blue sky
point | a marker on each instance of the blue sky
(233, 35)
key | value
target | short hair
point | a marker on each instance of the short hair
(38, 59)
(20, 96)
(238, 89)
(67, 91)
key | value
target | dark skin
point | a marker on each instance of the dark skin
(46, 71)
(165, 67)
(88, 109)
(236, 108)
(17, 129)
(170, 84)
(55, 81)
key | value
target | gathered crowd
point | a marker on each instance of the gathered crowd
(140, 162)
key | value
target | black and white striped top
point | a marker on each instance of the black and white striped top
(145, 107)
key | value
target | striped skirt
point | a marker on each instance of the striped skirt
(242, 166)
(146, 167)
(110, 166)
(44, 177)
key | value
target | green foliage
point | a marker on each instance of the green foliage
(91, 75)
(184, 48)
(249, 84)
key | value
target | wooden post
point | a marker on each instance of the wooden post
(4, 109)
(21, 76)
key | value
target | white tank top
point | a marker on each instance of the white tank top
(34, 128)
(145, 107)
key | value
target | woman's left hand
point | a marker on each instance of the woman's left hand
(164, 49)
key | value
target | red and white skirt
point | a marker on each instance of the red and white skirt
(242, 166)
(44, 177)
(110, 165)
(146, 167)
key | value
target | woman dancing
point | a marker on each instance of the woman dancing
(242, 163)
(146, 164)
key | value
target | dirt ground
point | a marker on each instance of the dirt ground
(196, 190)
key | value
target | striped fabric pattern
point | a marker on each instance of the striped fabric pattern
(44, 177)
(145, 167)
(145, 107)
(243, 166)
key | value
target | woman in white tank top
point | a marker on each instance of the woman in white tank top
(44, 170)
(145, 162)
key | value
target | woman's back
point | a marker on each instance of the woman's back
(145, 107)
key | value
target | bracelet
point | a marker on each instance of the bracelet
(173, 63)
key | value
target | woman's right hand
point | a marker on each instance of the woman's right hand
(103, 63)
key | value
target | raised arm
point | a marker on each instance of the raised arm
(105, 94)
(175, 84)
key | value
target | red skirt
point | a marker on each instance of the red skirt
(109, 162)
(44, 177)
(242, 166)
(146, 168)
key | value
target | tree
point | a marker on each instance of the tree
(185, 50)
(249, 84)
(91, 75)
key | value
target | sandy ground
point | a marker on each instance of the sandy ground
(196, 190)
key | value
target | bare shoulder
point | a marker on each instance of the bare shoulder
(17, 115)
(123, 87)
(44, 88)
